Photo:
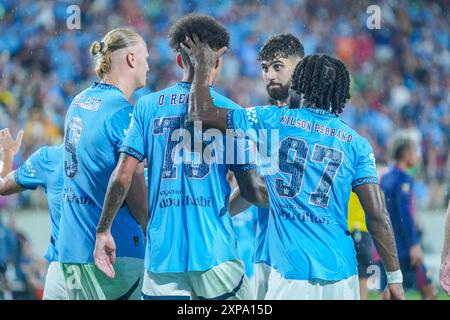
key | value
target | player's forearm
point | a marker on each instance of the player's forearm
(116, 192)
(379, 224)
(252, 188)
(446, 249)
(201, 107)
(380, 228)
(6, 164)
(8, 185)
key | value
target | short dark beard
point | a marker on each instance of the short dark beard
(280, 93)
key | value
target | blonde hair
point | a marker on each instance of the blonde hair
(114, 40)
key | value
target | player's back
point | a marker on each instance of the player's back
(320, 159)
(190, 228)
(95, 125)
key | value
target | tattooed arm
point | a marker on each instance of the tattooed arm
(118, 186)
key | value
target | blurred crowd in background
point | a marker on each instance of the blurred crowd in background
(22, 271)
(400, 72)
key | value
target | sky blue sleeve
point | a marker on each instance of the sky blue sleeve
(118, 123)
(134, 143)
(365, 168)
(33, 172)
(245, 152)
(251, 120)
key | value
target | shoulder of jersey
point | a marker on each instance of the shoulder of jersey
(45, 153)
(152, 97)
(222, 101)
(115, 101)
(352, 131)
(268, 106)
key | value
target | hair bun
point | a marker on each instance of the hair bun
(96, 47)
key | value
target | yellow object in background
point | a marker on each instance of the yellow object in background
(356, 215)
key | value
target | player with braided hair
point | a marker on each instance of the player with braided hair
(324, 81)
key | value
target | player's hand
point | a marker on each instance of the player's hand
(444, 275)
(415, 252)
(394, 291)
(8, 145)
(105, 253)
(200, 53)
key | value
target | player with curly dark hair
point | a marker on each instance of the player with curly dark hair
(278, 58)
(208, 29)
(192, 249)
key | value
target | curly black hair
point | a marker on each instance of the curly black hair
(323, 82)
(283, 45)
(206, 27)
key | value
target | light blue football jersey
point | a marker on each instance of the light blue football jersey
(95, 125)
(190, 228)
(44, 169)
(319, 160)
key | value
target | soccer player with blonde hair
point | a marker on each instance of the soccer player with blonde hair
(96, 123)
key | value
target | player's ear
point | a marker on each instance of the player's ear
(131, 60)
(180, 61)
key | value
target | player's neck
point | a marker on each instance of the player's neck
(123, 84)
(187, 77)
(282, 103)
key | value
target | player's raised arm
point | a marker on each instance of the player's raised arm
(118, 186)
(201, 107)
(8, 149)
(380, 228)
(444, 276)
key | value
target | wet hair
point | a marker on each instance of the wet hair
(283, 45)
(206, 27)
(400, 146)
(114, 40)
(323, 82)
